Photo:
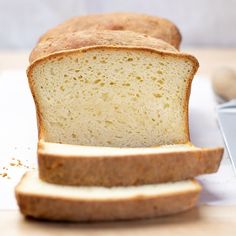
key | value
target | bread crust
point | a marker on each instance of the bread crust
(129, 169)
(69, 209)
(153, 26)
(83, 39)
(160, 52)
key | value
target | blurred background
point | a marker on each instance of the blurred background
(203, 23)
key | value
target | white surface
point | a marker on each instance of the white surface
(18, 132)
(218, 188)
(18, 137)
(34, 185)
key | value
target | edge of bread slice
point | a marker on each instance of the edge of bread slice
(41, 200)
(108, 166)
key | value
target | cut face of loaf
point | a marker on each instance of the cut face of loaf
(41, 200)
(113, 96)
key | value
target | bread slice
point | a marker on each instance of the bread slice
(41, 200)
(153, 26)
(118, 89)
(108, 166)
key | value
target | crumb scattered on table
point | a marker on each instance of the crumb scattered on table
(4, 174)
(14, 163)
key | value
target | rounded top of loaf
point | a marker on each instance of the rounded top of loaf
(83, 39)
(153, 26)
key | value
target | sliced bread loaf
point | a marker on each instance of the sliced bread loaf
(126, 94)
(112, 88)
(108, 166)
(41, 200)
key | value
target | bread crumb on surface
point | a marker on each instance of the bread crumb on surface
(4, 174)
(14, 163)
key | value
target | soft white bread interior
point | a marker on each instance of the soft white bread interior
(110, 166)
(54, 202)
(113, 96)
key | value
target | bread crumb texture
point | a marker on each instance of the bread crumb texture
(112, 97)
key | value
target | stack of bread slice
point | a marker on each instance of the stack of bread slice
(111, 96)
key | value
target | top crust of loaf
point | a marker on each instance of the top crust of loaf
(83, 39)
(151, 25)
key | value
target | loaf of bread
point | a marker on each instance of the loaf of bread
(112, 111)
(39, 199)
(115, 89)
(112, 88)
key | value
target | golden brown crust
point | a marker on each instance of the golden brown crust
(153, 26)
(86, 38)
(65, 209)
(68, 210)
(156, 50)
(128, 169)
